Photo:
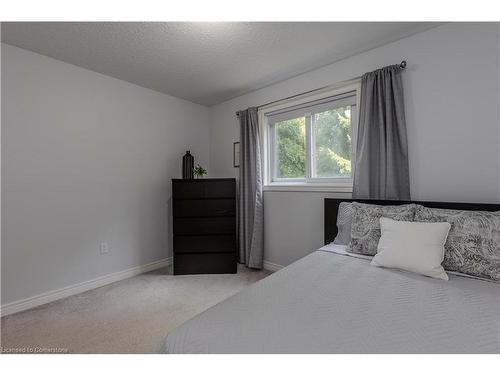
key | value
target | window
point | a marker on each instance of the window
(310, 142)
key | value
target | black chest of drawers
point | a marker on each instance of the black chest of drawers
(204, 225)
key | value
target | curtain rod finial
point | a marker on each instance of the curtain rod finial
(403, 64)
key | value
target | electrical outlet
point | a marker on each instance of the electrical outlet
(104, 248)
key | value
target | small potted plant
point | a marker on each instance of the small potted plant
(199, 171)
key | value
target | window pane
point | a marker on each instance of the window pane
(291, 148)
(332, 143)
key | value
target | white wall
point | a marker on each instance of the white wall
(85, 158)
(452, 106)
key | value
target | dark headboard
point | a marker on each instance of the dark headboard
(332, 207)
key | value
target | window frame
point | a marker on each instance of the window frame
(309, 183)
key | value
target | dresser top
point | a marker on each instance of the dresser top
(202, 179)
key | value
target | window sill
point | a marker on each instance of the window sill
(322, 188)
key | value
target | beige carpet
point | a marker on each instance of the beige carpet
(130, 316)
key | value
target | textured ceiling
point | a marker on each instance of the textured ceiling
(205, 63)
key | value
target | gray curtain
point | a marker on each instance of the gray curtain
(381, 167)
(251, 204)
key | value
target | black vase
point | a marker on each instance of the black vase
(187, 166)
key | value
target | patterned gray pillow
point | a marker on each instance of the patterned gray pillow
(473, 243)
(365, 230)
(344, 221)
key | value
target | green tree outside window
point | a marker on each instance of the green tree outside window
(332, 144)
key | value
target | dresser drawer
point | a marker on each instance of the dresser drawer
(209, 225)
(196, 189)
(205, 263)
(221, 189)
(208, 207)
(205, 244)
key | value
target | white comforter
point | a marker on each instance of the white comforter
(331, 303)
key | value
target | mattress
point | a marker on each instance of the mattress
(334, 303)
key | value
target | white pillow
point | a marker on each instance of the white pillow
(412, 246)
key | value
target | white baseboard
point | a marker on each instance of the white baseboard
(273, 267)
(41, 299)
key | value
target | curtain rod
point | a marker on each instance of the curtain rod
(402, 65)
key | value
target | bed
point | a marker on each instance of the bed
(332, 301)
